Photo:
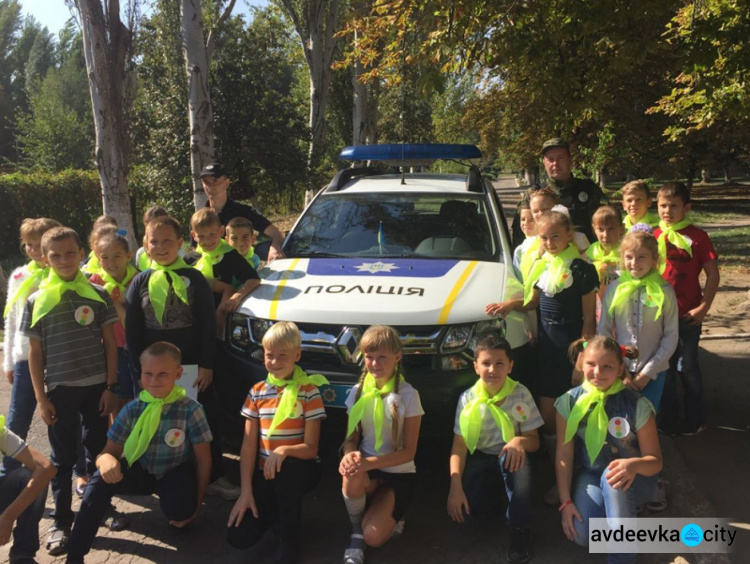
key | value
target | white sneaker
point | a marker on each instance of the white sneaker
(398, 529)
(224, 488)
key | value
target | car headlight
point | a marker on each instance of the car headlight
(239, 332)
(497, 323)
(456, 339)
(258, 328)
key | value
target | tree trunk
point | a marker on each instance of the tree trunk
(705, 176)
(727, 177)
(106, 42)
(363, 111)
(603, 177)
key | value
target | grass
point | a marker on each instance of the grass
(732, 246)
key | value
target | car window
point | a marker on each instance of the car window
(408, 225)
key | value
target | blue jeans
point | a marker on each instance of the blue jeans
(20, 410)
(594, 497)
(129, 387)
(684, 362)
(26, 531)
(481, 474)
(654, 390)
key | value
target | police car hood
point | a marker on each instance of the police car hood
(376, 291)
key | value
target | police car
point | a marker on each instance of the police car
(421, 252)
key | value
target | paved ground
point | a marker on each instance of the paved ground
(707, 474)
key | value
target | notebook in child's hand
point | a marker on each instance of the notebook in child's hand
(189, 376)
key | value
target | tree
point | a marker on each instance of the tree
(106, 46)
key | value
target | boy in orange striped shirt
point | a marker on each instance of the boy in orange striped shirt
(282, 432)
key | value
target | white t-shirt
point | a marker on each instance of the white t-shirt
(407, 405)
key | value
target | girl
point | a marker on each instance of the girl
(604, 253)
(23, 282)
(378, 463)
(545, 200)
(528, 226)
(603, 482)
(115, 273)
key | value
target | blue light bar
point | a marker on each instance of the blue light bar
(410, 152)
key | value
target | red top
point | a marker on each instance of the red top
(118, 327)
(683, 270)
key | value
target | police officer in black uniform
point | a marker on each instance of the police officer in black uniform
(580, 195)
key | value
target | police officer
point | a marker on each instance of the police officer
(580, 195)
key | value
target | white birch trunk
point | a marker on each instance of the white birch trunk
(106, 41)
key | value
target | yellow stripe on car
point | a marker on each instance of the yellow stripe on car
(280, 289)
(448, 305)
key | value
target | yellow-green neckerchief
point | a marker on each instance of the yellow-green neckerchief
(470, 420)
(110, 283)
(144, 262)
(53, 287)
(2, 424)
(601, 258)
(209, 258)
(148, 422)
(596, 426)
(652, 282)
(158, 285)
(36, 275)
(251, 258)
(556, 265)
(528, 257)
(92, 266)
(289, 392)
(670, 233)
(371, 399)
(650, 218)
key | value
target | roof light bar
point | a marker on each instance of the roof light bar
(410, 152)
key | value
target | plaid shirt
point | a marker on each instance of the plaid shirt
(183, 424)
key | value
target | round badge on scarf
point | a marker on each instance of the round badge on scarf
(619, 427)
(583, 197)
(84, 315)
(297, 410)
(186, 280)
(520, 411)
(174, 437)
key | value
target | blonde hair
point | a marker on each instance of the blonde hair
(637, 239)
(545, 193)
(606, 215)
(204, 217)
(383, 338)
(283, 334)
(36, 227)
(600, 342)
(555, 218)
(636, 186)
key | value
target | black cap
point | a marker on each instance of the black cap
(555, 142)
(214, 169)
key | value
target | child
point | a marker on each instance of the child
(115, 276)
(384, 419)
(545, 200)
(528, 227)
(241, 235)
(23, 282)
(159, 444)
(67, 320)
(636, 201)
(22, 495)
(142, 260)
(279, 458)
(604, 253)
(685, 251)
(220, 261)
(496, 421)
(104, 224)
(603, 482)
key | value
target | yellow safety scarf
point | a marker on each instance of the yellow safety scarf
(144, 262)
(371, 400)
(596, 426)
(52, 289)
(529, 256)
(470, 420)
(654, 292)
(148, 422)
(110, 284)
(650, 218)
(601, 258)
(209, 258)
(557, 266)
(289, 393)
(36, 275)
(92, 265)
(158, 285)
(669, 232)
(252, 258)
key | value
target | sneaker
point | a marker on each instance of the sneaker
(398, 529)
(658, 501)
(224, 488)
(519, 550)
(696, 431)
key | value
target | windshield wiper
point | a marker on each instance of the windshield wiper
(318, 254)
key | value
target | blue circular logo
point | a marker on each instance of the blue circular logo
(691, 535)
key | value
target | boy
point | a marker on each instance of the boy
(159, 444)
(67, 320)
(282, 431)
(22, 495)
(220, 261)
(496, 422)
(241, 235)
(636, 201)
(685, 251)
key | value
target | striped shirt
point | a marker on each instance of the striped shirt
(261, 404)
(182, 425)
(71, 335)
(520, 407)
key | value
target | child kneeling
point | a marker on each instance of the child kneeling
(496, 422)
(164, 438)
(606, 482)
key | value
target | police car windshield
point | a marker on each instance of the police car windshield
(440, 226)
